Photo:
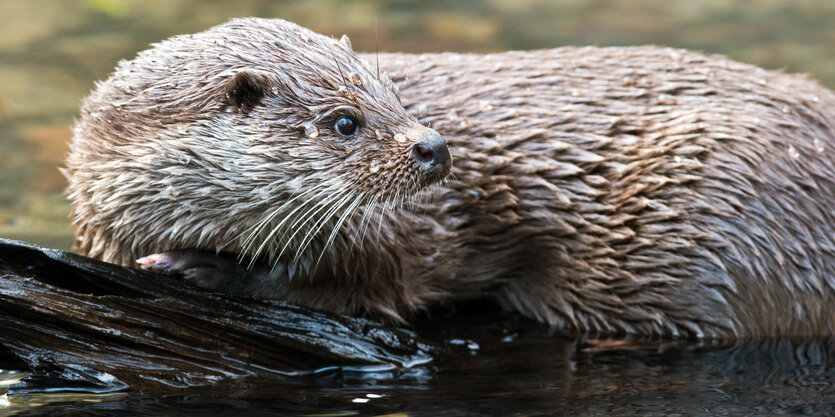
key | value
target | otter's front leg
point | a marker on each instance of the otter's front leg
(216, 272)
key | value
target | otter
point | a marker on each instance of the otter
(638, 191)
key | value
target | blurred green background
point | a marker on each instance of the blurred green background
(51, 52)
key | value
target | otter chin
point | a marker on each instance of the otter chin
(615, 191)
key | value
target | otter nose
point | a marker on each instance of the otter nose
(431, 152)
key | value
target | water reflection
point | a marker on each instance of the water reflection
(536, 373)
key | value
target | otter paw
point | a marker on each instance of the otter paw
(205, 270)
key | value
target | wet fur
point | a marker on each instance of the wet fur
(638, 191)
(635, 190)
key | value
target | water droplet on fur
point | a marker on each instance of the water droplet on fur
(666, 100)
(441, 79)
(295, 184)
(677, 159)
(485, 106)
(761, 81)
(375, 167)
(263, 193)
(378, 134)
(354, 78)
(183, 159)
(400, 138)
(576, 93)
(816, 99)
(818, 145)
(264, 127)
(274, 90)
(304, 36)
(311, 131)
(171, 191)
(347, 92)
(422, 109)
(793, 152)
(787, 109)
(452, 115)
(627, 81)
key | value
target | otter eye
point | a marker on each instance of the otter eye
(346, 126)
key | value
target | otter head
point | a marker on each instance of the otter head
(253, 137)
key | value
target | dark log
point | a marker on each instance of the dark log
(103, 325)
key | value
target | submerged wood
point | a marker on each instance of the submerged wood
(69, 315)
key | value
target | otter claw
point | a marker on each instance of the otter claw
(157, 262)
(205, 270)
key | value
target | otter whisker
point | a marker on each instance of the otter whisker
(323, 220)
(258, 228)
(292, 214)
(382, 216)
(366, 219)
(307, 216)
(347, 214)
(377, 47)
(278, 227)
(339, 67)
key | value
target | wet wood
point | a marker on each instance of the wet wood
(119, 327)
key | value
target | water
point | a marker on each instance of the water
(521, 368)
(51, 52)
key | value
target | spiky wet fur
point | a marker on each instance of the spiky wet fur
(616, 191)
(642, 190)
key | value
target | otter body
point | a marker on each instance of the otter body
(642, 191)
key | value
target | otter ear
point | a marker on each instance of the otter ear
(246, 90)
(346, 42)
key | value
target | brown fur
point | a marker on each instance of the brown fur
(638, 191)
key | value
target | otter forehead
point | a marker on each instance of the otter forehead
(317, 70)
